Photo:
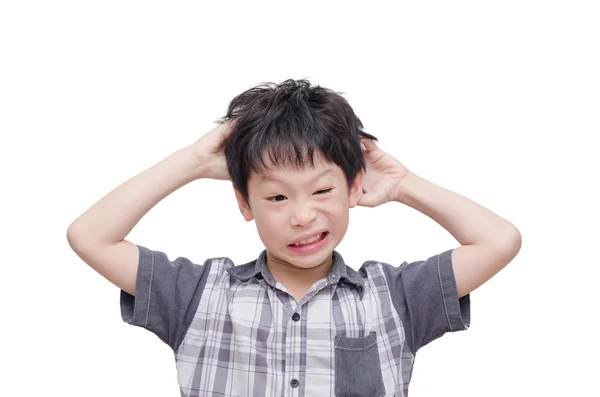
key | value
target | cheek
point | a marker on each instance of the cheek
(341, 219)
(269, 225)
(339, 206)
(338, 213)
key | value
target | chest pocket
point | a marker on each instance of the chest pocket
(357, 367)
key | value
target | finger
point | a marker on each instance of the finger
(368, 144)
(228, 128)
(225, 131)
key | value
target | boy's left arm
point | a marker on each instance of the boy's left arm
(488, 241)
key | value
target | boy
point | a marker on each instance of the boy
(297, 320)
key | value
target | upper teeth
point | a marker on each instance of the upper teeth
(310, 240)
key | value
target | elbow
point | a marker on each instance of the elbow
(71, 233)
(513, 240)
(517, 241)
(504, 237)
(74, 236)
(510, 243)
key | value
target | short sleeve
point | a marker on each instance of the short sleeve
(167, 294)
(425, 296)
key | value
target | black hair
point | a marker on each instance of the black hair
(286, 122)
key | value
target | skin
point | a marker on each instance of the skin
(487, 241)
(292, 204)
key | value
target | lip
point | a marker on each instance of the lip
(308, 235)
(311, 248)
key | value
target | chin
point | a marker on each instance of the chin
(312, 260)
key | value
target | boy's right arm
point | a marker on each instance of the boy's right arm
(98, 235)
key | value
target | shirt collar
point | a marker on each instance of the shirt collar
(339, 272)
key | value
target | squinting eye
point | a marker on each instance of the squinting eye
(320, 192)
(325, 191)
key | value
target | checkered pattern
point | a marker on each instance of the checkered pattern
(249, 336)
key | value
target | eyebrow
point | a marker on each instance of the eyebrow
(275, 179)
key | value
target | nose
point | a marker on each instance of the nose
(303, 214)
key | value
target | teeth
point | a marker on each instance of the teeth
(310, 240)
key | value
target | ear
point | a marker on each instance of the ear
(244, 207)
(356, 190)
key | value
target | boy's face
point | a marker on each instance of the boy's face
(287, 204)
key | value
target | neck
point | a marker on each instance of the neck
(289, 274)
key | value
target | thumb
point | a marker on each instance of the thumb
(369, 200)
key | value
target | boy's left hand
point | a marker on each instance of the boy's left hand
(382, 177)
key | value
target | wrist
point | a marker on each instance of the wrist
(193, 165)
(402, 188)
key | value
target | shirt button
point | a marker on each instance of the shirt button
(294, 383)
(296, 317)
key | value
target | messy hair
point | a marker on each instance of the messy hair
(286, 122)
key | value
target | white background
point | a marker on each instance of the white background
(498, 101)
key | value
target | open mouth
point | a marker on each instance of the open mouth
(311, 241)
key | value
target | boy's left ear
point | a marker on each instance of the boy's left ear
(356, 190)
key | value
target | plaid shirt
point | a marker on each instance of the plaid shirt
(236, 331)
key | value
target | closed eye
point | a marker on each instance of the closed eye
(320, 192)
(325, 191)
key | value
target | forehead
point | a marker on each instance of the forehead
(297, 176)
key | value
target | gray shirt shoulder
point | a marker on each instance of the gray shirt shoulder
(425, 297)
(167, 294)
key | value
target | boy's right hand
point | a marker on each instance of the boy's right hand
(98, 235)
(208, 150)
